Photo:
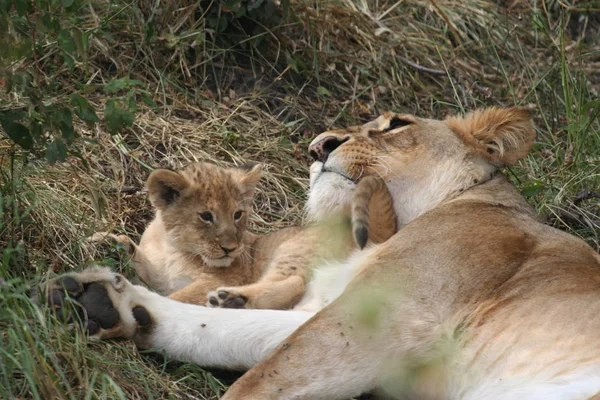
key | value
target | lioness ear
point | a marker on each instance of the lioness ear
(502, 135)
(247, 176)
(164, 187)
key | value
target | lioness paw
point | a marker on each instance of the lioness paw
(226, 298)
(99, 299)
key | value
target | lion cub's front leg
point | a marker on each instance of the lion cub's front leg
(275, 291)
(284, 280)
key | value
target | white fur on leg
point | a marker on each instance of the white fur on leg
(216, 337)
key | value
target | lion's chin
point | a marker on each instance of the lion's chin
(222, 262)
(330, 193)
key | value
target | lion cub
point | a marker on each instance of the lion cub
(199, 231)
(197, 249)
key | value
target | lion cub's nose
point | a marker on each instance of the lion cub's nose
(321, 149)
(229, 249)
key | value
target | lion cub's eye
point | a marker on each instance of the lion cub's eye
(238, 214)
(206, 216)
(396, 123)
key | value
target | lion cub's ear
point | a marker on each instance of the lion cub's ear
(164, 187)
(247, 176)
(503, 136)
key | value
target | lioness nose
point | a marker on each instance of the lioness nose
(229, 249)
(321, 150)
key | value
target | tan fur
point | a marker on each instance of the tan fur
(371, 197)
(179, 247)
(472, 298)
(289, 269)
(497, 133)
(519, 301)
(264, 272)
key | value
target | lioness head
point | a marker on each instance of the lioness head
(423, 161)
(205, 208)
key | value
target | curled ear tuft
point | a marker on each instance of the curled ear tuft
(247, 176)
(164, 187)
(501, 135)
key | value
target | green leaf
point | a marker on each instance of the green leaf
(323, 91)
(146, 99)
(12, 115)
(56, 151)
(67, 3)
(532, 188)
(69, 61)
(296, 64)
(68, 47)
(64, 118)
(117, 117)
(78, 40)
(65, 41)
(18, 133)
(286, 143)
(119, 84)
(50, 23)
(5, 6)
(22, 7)
(130, 101)
(83, 109)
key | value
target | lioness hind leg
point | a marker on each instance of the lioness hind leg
(329, 357)
(103, 300)
(276, 293)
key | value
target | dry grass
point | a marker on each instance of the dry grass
(333, 63)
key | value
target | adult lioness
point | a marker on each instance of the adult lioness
(517, 302)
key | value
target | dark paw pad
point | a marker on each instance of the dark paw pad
(92, 327)
(98, 306)
(56, 298)
(141, 316)
(223, 295)
(234, 302)
(70, 285)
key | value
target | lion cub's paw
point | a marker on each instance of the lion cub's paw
(226, 298)
(104, 237)
(99, 299)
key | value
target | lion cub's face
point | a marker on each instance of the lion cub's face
(205, 209)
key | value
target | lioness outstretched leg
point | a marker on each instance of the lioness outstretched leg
(222, 338)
